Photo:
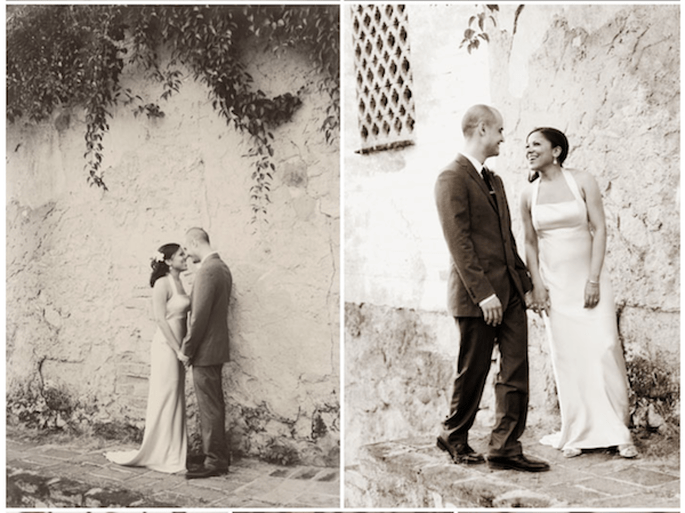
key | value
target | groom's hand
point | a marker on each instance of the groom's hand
(492, 311)
(530, 301)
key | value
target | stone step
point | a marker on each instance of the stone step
(414, 473)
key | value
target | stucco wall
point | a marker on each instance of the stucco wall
(400, 346)
(609, 77)
(78, 299)
(394, 250)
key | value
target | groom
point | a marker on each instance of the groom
(206, 345)
(487, 291)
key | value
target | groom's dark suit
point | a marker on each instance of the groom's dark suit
(477, 227)
(207, 347)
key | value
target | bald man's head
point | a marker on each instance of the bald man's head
(483, 132)
(197, 244)
(475, 116)
(197, 234)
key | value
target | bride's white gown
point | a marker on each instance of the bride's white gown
(588, 362)
(164, 444)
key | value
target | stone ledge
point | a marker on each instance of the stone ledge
(415, 473)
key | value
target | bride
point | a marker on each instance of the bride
(165, 440)
(565, 242)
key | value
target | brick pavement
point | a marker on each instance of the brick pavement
(69, 475)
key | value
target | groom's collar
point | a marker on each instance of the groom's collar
(208, 255)
(474, 162)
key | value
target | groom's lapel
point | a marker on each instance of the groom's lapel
(475, 176)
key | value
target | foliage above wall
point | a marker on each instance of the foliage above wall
(73, 55)
(476, 28)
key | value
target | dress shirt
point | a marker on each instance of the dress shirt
(478, 165)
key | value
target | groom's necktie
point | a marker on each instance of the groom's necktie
(487, 177)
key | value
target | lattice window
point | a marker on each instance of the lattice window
(385, 98)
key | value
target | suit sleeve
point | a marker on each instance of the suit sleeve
(200, 310)
(521, 269)
(452, 199)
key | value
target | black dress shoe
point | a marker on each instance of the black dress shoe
(204, 472)
(518, 462)
(461, 453)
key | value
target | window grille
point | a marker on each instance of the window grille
(385, 99)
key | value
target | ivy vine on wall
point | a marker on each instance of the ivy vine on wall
(73, 56)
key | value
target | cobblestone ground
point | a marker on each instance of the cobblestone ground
(415, 473)
(69, 475)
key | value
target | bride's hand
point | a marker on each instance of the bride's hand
(591, 294)
(182, 358)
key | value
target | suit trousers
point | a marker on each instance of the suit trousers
(210, 403)
(511, 388)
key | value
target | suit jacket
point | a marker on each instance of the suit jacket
(207, 339)
(478, 233)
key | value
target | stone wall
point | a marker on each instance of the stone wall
(78, 300)
(606, 75)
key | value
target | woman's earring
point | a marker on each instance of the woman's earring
(555, 161)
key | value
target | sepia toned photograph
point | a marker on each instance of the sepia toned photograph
(173, 256)
(512, 246)
(343, 256)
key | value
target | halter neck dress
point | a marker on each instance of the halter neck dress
(164, 446)
(587, 357)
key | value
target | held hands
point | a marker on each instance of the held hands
(591, 294)
(538, 300)
(492, 311)
(530, 302)
(183, 359)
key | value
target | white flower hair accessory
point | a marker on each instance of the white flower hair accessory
(159, 257)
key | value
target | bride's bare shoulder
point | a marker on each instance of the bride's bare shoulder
(526, 193)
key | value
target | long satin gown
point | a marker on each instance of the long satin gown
(587, 357)
(165, 442)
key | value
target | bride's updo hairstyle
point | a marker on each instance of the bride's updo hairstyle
(556, 138)
(158, 263)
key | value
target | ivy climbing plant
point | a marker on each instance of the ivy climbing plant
(71, 56)
(475, 31)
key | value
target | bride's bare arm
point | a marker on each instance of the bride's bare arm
(160, 294)
(531, 250)
(595, 209)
